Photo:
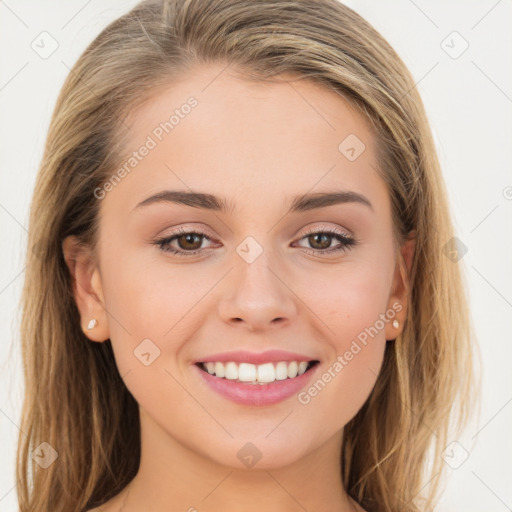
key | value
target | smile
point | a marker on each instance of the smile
(257, 374)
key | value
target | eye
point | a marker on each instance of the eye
(321, 241)
(189, 242)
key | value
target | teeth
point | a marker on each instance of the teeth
(246, 372)
(256, 374)
(281, 371)
(302, 367)
(266, 373)
(219, 370)
(231, 371)
(292, 369)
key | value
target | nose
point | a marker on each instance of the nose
(257, 296)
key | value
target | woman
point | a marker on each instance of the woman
(241, 295)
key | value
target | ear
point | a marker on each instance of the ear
(87, 289)
(400, 288)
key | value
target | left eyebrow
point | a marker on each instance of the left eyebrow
(323, 199)
(300, 203)
(194, 199)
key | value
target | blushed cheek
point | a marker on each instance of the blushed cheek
(149, 325)
(359, 344)
(355, 303)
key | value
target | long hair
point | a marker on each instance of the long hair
(76, 401)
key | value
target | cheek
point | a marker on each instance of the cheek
(152, 307)
(136, 293)
(134, 306)
(149, 321)
(354, 309)
(351, 301)
(353, 306)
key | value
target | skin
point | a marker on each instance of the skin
(259, 145)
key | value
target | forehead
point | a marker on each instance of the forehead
(214, 131)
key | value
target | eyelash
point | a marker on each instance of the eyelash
(346, 242)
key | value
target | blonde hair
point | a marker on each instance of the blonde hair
(75, 399)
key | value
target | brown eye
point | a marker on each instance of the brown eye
(187, 241)
(320, 241)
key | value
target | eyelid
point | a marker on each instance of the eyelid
(185, 228)
(336, 229)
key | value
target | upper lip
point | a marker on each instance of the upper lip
(244, 356)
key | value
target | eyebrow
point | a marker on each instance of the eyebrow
(300, 203)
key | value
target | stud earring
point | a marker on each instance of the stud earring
(396, 323)
(92, 324)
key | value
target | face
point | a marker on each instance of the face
(266, 279)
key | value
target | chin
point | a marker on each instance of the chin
(260, 451)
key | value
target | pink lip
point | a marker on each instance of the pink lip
(257, 394)
(243, 356)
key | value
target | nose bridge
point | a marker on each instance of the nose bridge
(258, 295)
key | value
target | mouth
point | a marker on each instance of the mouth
(256, 378)
(256, 374)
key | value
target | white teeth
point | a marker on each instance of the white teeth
(219, 370)
(231, 371)
(266, 373)
(256, 374)
(281, 371)
(246, 372)
(292, 369)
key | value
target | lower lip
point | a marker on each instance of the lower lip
(257, 394)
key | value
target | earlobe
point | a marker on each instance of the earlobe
(87, 289)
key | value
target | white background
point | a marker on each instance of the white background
(469, 104)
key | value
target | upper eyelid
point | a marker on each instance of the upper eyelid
(337, 230)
